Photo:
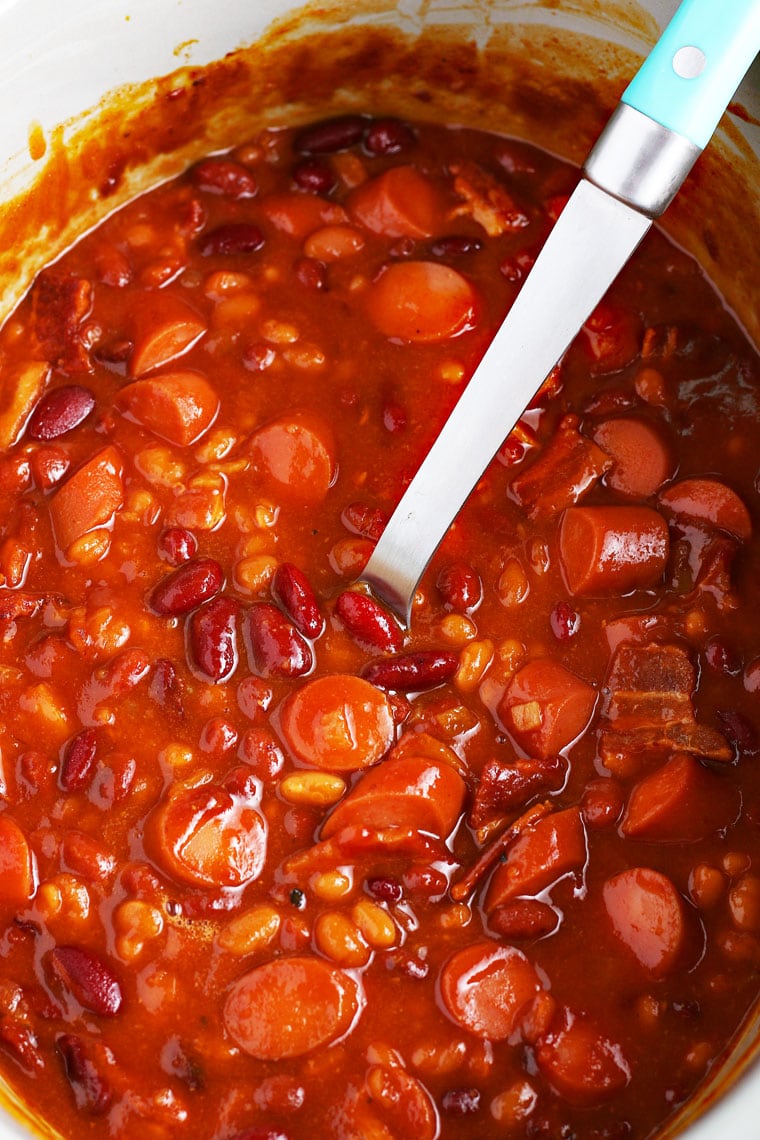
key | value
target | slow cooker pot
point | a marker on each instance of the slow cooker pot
(114, 98)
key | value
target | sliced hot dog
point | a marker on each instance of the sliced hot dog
(647, 916)
(17, 865)
(486, 988)
(546, 707)
(612, 550)
(642, 461)
(339, 723)
(89, 498)
(708, 500)
(298, 453)
(400, 202)
(541, 855)
(300, 214)
(208, 837)
(580, 1061)
(680, 802)
(421, 301)
(289, 1007)
(410, 791)
(162, 328)
(178, 406)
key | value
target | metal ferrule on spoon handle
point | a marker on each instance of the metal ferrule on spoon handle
(669, 111)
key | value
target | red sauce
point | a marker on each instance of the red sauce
(272, 865)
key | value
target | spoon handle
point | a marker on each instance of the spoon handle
(691, 74)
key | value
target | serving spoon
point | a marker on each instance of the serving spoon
(664, 120)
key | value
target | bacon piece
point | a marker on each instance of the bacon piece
(486, 200)
(566, 470)
(650, 705)
(508, 787)
(60, 303)
(20, 605)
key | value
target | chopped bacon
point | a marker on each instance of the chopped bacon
(508, 787)
(568, 468)
(487, 200)
(650, 705)
(60, 303)
(15, 605)
(496, 849)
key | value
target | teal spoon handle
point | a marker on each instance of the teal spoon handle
(691, 74)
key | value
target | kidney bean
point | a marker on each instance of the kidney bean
(368, 623)
(212, 638)
(165, 686)
(460, 587)
(722, 657)
(223, 176)
(331, 135)
(186, 587)
(311, 273)
(602, 803)
(258, 357)
(231, 238)
(218, 735)
(121, 673)
(49, 465)
(276, 648)
(59, 411)
(524, 920)
(388, 136)
(456, 245)
(565, 621)
(413, 672)
(385, 889)
(84, 975)
(254, 697)
(113, 267)
(113, 780)
(394, 416)
(460, 1102)
(259, 749)
(19, 1039)
(78, 760)
(314, 176)
(740, 731)
(360, 518)
(425, 881)
(515, 268)
(292, 590)
(261, 1134)
(91, 1092)
(176, 544)
(87, 857)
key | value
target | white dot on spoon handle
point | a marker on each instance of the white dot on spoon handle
(689, 62)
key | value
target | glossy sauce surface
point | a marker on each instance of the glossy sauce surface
(273, 866)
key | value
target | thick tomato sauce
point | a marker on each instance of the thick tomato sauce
(273, 867)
